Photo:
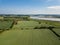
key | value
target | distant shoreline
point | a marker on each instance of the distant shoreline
(51, 19)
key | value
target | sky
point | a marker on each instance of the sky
(29, 6)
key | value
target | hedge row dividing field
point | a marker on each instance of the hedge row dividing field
(57, 31)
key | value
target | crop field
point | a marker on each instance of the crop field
(5, 24)
(23, 33)
(27, 24)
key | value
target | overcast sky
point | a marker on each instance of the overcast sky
(29, 6)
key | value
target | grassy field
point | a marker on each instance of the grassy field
(26, 24)
(5, 24)
(24, 34)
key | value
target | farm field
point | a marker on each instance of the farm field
(26, 24)
(24, 34)
(5, 24)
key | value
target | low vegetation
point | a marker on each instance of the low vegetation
(29, 32)
(5, 25)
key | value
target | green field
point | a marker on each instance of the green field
(24, 34)
(5, 24)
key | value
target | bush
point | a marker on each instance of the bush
(51, 27)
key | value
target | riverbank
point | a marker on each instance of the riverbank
(51, 19)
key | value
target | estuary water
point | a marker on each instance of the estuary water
(45, 18)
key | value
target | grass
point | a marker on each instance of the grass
(30, 36)
(5, 24)
(27, 24)
(57, 31)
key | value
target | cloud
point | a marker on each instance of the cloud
(47, 10)
(54, 7)
(48, 0)
(51, 10)
(19, 11)
(52, 0)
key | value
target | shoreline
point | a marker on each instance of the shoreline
(51, 19)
